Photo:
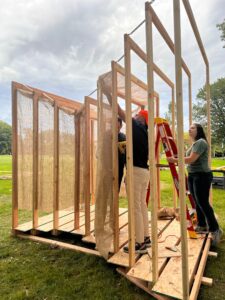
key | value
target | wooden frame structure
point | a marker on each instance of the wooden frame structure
(70, 107)
(146, 272)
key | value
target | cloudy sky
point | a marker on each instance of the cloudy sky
(63, 46)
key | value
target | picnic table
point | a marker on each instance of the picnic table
(219, 181)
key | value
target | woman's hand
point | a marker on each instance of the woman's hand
(172, 159)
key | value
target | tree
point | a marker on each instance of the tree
(222, 29)
(5, 138)
(217, 110)
(168, 114)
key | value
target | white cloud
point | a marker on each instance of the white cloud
(62, 46)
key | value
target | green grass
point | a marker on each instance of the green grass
(5, 164)
(30, 270)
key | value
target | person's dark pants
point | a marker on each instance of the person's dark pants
(199, 187)
(120, 177)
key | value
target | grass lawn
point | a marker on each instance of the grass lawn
(31, 270)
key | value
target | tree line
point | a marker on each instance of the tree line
(5, 138)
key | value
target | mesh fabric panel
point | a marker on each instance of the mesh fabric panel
(25, 150)
(46, 156)
(66, 159)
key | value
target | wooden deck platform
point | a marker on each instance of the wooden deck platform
(169, 283)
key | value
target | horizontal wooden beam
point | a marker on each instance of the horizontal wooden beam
(58, 244)
(135, 47)
(195, 30)
(207, 281)
(61, 101)
(200, 271)
(166, 37)
(214, 254)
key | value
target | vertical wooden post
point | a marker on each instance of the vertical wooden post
(56, 170)
(115, 157)
(87, 167)
(77, 172)
(35, 162)
(157, 159)
(208, 99)
(190, 100)
(129, 152)
(174, 136)
(14, 160)
(151, 141)
(92, 163)
(180, 138)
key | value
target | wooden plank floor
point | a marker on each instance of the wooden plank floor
(48, 219)
(168, 238)
(170, 281)
(66, 221)
(122, 259)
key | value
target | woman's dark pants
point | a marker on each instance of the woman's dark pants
(199, 186)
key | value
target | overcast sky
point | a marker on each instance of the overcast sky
(63, 46)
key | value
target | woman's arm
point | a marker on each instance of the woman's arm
(188, 159)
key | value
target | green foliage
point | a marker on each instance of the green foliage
(5, 138)
(168, 114)
(217, 110)
(222, 29)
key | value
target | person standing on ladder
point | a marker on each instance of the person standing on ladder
(199, 182)
(141, 176)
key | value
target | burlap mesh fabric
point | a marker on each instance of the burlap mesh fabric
(25, 149)
(45, 155)
(66, 159)
(104, 196)
(82, 161)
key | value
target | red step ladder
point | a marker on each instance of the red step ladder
(163, 133)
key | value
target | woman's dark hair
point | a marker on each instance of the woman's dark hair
(200, 132)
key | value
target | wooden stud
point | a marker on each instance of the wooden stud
(143, 56)
(15, 216)
(87, 167)
(151, 143)
(166, 37)
(190, 100)
(57, 244)
(134, 79)
(195, 30)
(140, 284)
(174, 136)
(77, 173)
(92, 179)
(204, 56)
(129, 151)
(61, 101)
(115, 158)
(35, 162)
(207, 281)
(180, 138)
(213, 254)
(201, 268)
(56, 170)
(158, 160)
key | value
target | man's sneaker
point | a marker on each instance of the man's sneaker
(147, 241)
(139, 248)
(201, 229)
(216, 236)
